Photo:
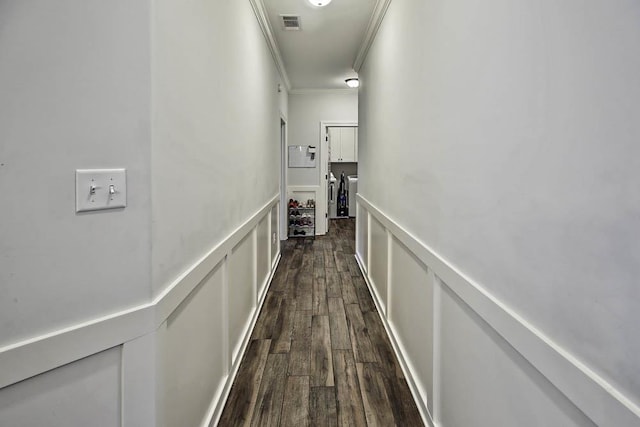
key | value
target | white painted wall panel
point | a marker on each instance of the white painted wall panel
(379, 259)
(193, 353)
(241, 294)
(362, 235)
(262, 253)
(486, 383)
(74, 79)
(410, 313)
(83, 393)
(275, 235)
(139, 373)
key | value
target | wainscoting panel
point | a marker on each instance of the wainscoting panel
(83, 393)
(194, 361)
(486, 383)
(274, 234)
(262, 253)
(139, 375)
(410, 314)
(362, 236)
(469, 359)
(378, 258)
(242, 292)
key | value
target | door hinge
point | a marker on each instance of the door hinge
(326, 215)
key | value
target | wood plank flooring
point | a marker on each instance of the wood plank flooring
(319, 354)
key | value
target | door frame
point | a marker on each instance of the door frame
(283, 178)
(323, 193)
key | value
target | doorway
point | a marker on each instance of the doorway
(283, 179)
(339, 145)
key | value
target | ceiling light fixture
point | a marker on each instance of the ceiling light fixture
(353, 82)
(319, 3)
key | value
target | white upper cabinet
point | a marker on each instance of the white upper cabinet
(343, 144)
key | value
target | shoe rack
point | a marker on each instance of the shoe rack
(302, 218)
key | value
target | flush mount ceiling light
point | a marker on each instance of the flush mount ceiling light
(319, 3)
(353, 82)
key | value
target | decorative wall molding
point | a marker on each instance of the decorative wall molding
(30, 357)
(39, 354)
(372, 29)
(217, 404)
(399, 351)
(592, 394)
(265, 26)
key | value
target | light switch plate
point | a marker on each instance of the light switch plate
(98, 189)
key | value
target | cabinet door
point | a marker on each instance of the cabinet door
(334, 145)
(348, 144)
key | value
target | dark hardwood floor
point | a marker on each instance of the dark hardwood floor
(319, 354)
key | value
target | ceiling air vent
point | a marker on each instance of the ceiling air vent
(290, 22)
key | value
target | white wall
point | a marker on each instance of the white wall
(75, 85)
(53, 398)
(215, 176)
(307, 110)
(74, 79)
(216, 151)
(94, 307)
(514, 155)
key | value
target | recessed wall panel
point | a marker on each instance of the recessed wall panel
(362, 235)
(410, 313)
(486, 383)
(194, 353)
(275, 234)
(82, 393)
(241, 294)
(262, 253)
(378, 268)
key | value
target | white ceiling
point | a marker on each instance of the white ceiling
(321, 55)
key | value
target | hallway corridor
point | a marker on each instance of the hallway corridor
(319, 354)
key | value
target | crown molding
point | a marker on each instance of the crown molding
(379, 11)
(265, 26)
